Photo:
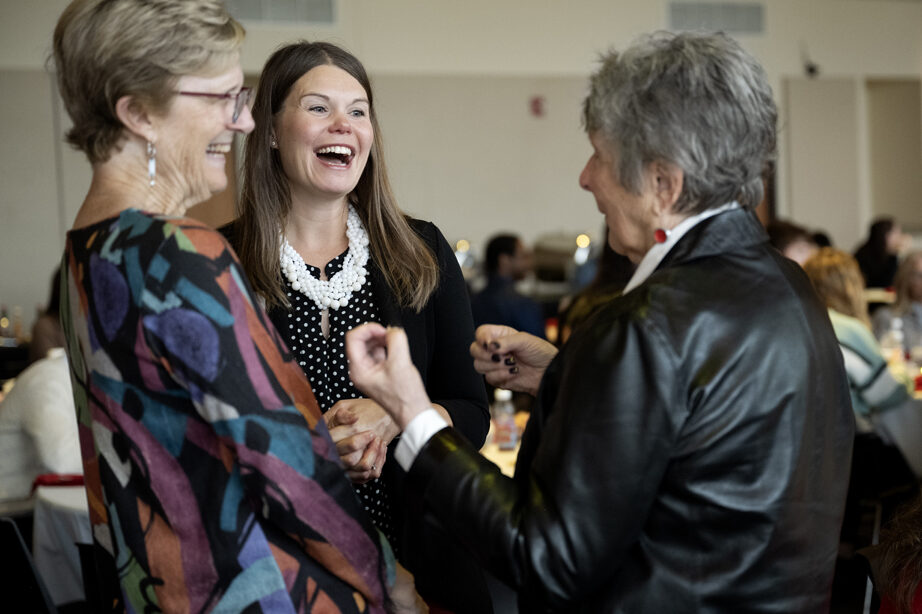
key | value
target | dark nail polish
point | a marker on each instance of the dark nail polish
(510, 361)
(495, 358)
(513, 370)
(494, 345)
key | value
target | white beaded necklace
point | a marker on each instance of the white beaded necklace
(336, 291)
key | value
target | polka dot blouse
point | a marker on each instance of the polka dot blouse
(324, 363)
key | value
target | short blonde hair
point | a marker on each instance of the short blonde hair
(107, 49)
(838, 281)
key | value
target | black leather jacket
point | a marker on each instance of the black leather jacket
(689, 451)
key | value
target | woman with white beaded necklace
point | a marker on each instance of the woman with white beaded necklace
(324, 244)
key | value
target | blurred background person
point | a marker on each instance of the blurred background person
(212, 482)
(46, 330)
(838, 282)
(324, 244)
(793, 241)
(613, 271)
(689, 446)
(38, 426)
(507, 261)
(879, 471)
(878, 255)
(907, 307)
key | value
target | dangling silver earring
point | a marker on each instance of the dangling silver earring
(151, 163)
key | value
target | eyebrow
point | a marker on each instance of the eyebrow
(327, 98)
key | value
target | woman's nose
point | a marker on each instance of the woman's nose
(245, 122)
(341, 123)
(584, 178)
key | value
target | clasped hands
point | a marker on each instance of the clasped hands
(361, 430)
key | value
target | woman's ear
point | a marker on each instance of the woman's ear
(668, 181)
(135, 117)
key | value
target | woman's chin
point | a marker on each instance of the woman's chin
(216, 184)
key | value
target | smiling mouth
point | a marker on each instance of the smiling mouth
(218, 149)
(337, 155)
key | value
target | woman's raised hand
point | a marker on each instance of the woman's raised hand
(511, 359)
(380, 366)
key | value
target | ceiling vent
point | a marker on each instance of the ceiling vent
(284, 11)
(730, 17)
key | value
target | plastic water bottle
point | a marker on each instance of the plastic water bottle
(891, 344)
(505, 432)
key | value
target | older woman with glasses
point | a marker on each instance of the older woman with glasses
(689, 448)
(213, 484)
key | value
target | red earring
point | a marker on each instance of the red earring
(660, 235)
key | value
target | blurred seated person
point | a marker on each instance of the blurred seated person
(507, 262)
(46, 331)
(38, 426)
(791, 240)
(612, 275)
(878, 468)
(878, 255)
(908, 305)
(837, 279)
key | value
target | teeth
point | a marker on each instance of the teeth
(219, 148)
(335, 149)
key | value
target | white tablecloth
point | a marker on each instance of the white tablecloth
(61, 521)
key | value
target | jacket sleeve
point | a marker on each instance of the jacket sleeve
(451, 380)
(587, 474)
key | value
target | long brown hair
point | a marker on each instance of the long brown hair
(837, 278)
(408, 266)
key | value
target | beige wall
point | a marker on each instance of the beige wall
(895, 139)
(467, 153)
(31, 220)
(453, 80)
(823, 156)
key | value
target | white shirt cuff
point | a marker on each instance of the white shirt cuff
(414, 437)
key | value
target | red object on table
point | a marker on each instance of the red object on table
(57, 479)
(919, 382)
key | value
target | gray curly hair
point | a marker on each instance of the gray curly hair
(697, 101)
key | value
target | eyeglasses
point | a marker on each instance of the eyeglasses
(241, 99)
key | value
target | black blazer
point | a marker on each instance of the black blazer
(439, 336)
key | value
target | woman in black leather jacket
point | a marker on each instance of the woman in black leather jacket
(689, 449)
